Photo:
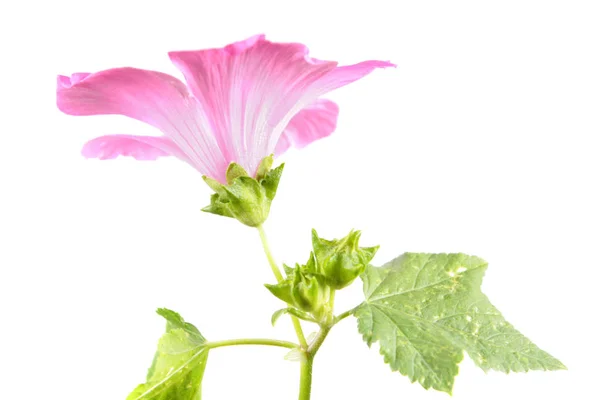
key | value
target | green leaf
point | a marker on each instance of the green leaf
(295, 355)
(295, 312)
(425, 310)
(179, 363)
(277, 314)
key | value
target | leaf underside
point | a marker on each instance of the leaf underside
(178, 367)
(425, 310)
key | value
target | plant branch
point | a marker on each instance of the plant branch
(279, 277)
(305, 378)
(267, 249)
(315, 345)
(345, 314)
(307, 364)
(259, 342)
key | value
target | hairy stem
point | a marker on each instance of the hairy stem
(307, 364)
(279, 277)
(306, 378)
(319, 339)
(260, 342)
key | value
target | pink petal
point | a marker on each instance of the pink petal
(342, 76)
(248, 90)
(314, 122)
(307, 120)
(250, 98)
(138, 147)
(152, 97)
(251, 90)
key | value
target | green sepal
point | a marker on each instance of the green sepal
(214, 184)
(288, 270)
(245, 198)
(339, 261)
(179, 363)
(248, 202)
(234, 171)
(218, 206)
(426, 310)
(303, 291)
(271, 181)
(282, 290)
(292, 311)
(264, 167)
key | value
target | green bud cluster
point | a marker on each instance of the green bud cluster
(333, 265)
(245, 198)
(340, 261)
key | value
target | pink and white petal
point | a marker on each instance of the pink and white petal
(338, 77)
(342, 76)
(247, 89)
(138, 147)
(314, 122)
(149, 96)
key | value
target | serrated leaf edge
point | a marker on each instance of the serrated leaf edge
(386, 358)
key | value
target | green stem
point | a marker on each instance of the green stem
(306, 378)
(299, 332)
(307, 364)
(319, 339)
(260, 342)
(345, 314)
(266, 248)
(279, 277)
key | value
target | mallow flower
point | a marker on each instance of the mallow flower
(240, 104)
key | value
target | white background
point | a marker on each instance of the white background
(483, 141)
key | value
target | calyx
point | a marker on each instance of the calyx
(245, 198)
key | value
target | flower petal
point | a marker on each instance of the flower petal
(334, 79)
(314, 122)
(152, 97)
(247, 90)
(342, 76)
(138, 147)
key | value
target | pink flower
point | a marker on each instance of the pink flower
(241, 103)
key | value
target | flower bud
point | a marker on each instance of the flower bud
(339, 261)
(245, 198)
(302, 290)
(309, 293)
